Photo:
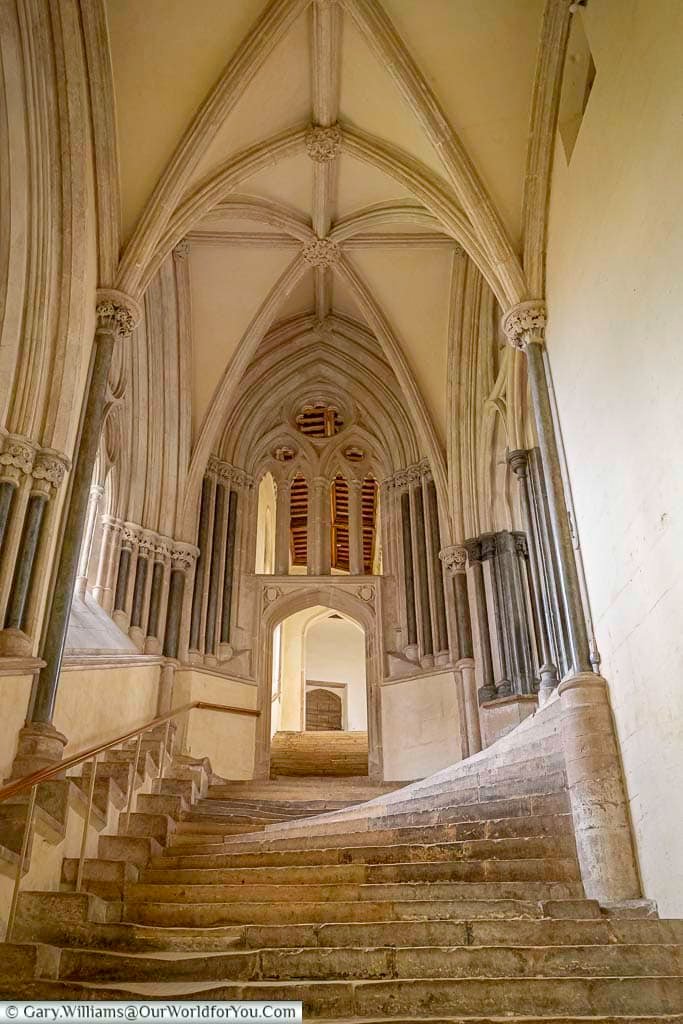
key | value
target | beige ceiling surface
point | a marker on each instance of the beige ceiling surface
(477, 56)
(166, 55)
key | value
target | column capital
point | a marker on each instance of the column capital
(525, 323)
(518, 460)
(473, 549)
(49, 469)
(183, 556)
(16, 457)
(454, 558)
(131, 534)
(117, 312)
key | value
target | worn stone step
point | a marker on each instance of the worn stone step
(211, 839)
(202, 915)
(545, 869)
(107, 793)
(147, 768)
(215, 827)
(468, 849)
(155, 803)
(185, 788)
(390, 853)
(107, 878)
(544, 998)
(340, 892)
(80, 932)
(331, 964)
(132, 849)
(138, 823)
(340, 832)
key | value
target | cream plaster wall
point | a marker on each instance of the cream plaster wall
(614, 265)
(95, 704)
(227, 740)
(420, 730)
(335, 653)
(15, 692)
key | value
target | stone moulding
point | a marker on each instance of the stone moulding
(525, 323)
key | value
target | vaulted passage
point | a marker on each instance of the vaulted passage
(340, 507)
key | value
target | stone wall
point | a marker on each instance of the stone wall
(614, 342)
(420, 733)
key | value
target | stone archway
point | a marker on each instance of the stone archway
(296, 595)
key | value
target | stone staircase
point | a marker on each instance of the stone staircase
(319, 753)
(454, 899)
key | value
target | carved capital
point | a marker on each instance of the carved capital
(117, 312)
(454, 558)
(147, 544)
(130, 534)
(16, 457)
(50, 467)
(162, 550)
(182, 250)
(321, 252)
(519, 462)
(525, 323)
(474, 552)
(183, 556)
(323, 144)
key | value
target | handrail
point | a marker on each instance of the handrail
(43, 774)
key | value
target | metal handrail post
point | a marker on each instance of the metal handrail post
(86, 825)
(20, 866)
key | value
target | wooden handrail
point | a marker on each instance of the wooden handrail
(44, 774)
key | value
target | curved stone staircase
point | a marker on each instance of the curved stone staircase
(457, 898)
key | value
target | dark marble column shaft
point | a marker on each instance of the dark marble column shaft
(569, 577)
(408, 571)
(155, 599)
(23, 567)
(228, 576)
(487, 690)
(519, 461)
(423, 579)
(462, 612)
(557, 627)
(116, 320)
(441, 631)
(215, 569)
(202, 542)
(7, 490)
(175, 610)
(139, 591)
(122, 580)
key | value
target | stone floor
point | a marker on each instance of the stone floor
(458, 902)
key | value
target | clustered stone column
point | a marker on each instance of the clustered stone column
(594, 777)
(30, 523)
(423, 607)
(96, 493)
(454, 559)
(506, 555)
(116, 316)
(221, 540)
(182, 559)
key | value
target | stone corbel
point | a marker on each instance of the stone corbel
(16, 457)
(454, 559)
(117, 313)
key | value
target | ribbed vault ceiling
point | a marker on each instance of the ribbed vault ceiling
(324, 67)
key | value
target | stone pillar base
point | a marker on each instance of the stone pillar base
(14, 643)
(165, 693)
(601, 824)
(39, 746)
(501, 716)
(469, 688)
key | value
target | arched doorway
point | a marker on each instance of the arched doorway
(300, 653)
